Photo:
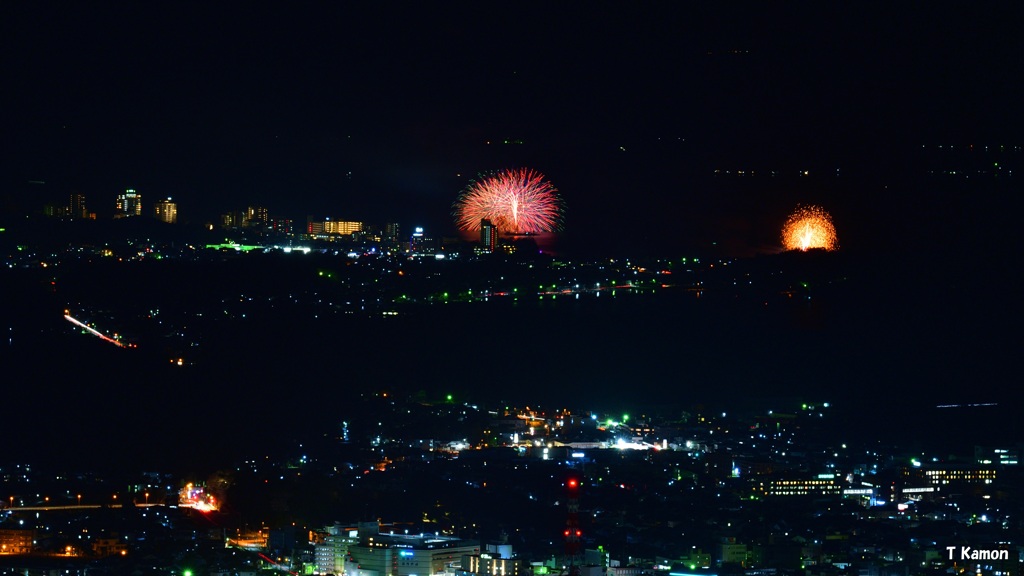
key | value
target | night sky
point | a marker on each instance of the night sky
(385, 112)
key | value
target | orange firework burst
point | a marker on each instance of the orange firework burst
(809, 227)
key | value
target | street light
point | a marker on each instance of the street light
(79, 499)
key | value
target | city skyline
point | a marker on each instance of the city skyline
(635, 115)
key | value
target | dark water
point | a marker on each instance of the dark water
(884, 345)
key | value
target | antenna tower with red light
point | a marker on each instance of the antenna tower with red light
(572, 528)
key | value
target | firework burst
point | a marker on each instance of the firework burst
(809, 227)
(516, 201)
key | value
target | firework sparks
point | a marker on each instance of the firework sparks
(809, 227)
(516, 201)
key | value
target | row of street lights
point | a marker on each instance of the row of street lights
(78, 496)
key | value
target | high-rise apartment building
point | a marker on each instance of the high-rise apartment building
(129, 203)
(488, 235)
(257, 216)
(76, 209)
(166, 211)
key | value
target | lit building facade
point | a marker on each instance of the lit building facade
(76, 207)
(342, 228)
(257, 216)
(166, 211)
(943, 476)
(1002, 456)
(328, 229)
(17, 541)
(421, 243)
(282, 226)
(330, 552)
(488, 235)
(129, 203)
(405, 555)
(330, 545)
(487, 564)
(821, 485)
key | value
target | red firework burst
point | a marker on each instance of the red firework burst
(516, 201)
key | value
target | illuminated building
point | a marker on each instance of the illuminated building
(103, 547)
(76, 209)
(330, 545)
(732, 552)
(420, 243)
(488, 235)
(391, 232)
(821, 485)
(282, 226)
(16, 541)
(328, 229)
(129, 203)
(1002, 456)
(942, 476)
(488, 564)
(232, 219)
(166, 211)
(342, 228)
(256, 216)
(407, 555)
(329, 555)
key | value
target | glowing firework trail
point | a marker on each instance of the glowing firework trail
(515, 201)
(809, 227)
(93, 331)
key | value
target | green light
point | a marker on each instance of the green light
(187, 572)
(625, 417)
(449, 397)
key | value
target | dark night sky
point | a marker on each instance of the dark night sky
(385, 113)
